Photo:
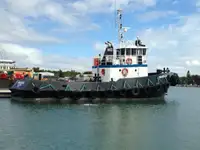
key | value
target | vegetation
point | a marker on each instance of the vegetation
(190, 79)
(59, 73)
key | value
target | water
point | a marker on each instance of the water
(174, 125)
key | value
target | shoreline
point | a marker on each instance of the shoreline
(184, 85)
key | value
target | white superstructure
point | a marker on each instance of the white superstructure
(127, 61)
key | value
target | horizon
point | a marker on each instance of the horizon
(66, 35)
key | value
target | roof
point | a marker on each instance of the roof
(6, 61)
(130, 44)
(21, 69)
(46, 73)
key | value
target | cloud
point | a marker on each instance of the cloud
(197, 3)
(175, 44)
(32, 57)
(13, 29)
(72, 14)
(99, 46)
(100, 6)
(192, 63)
(74, 29)
(175, 2)
(24, 56)
(153, 15)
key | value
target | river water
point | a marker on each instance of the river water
(174, 125)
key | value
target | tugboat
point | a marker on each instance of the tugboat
(121, 75)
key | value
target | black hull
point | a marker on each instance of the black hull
(151, 88)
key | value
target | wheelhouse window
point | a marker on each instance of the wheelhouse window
(128, 51)
(123, 51)
(139, 51)
(118, 52)
(144, 51)
(133, 51)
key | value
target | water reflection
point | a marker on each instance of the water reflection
(131, 126)
(155, 126)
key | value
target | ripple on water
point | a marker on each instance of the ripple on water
(170, 125)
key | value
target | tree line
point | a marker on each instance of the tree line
(60, 73)
(189, 79)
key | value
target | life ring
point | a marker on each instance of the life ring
(129, 61)
(103, 72)
(124, 72)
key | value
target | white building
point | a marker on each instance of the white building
(7, 64)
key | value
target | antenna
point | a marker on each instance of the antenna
(115, 3)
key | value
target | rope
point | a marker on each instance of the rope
(67, 88)
(112, 87)
(125, 84)
(160, 81)
(149, 81)
(166, 80)
(98, 87)
(48, 86)
(138, 83)
(83, 87)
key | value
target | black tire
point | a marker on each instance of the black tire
(36, 90)
(136, 91)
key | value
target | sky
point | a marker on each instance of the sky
(67, 34)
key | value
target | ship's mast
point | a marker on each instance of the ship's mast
(121, 29)
(119, 22)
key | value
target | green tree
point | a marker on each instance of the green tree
(60, 73)
(36, 69)
(189, 78)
